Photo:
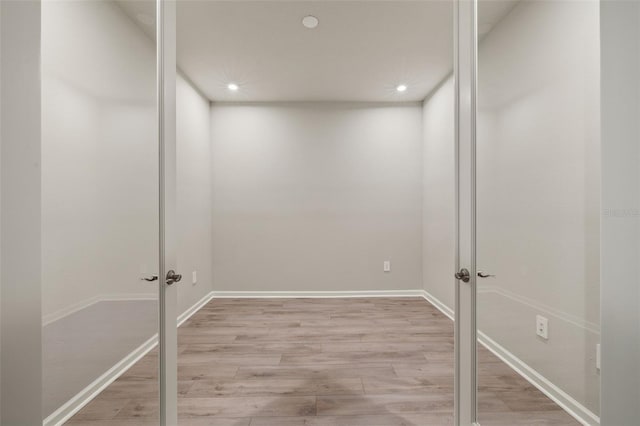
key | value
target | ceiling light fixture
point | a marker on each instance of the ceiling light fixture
(310, 22)
(233, 87)
(401, 88)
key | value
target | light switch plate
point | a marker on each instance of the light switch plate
(386, 266)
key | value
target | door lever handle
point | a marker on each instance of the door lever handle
(485, 275)
(463, 275)
(172, 277)
(150, 279)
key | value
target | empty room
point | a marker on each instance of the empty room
(321, 213)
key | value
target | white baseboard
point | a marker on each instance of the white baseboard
(64, 312)
(83, 304)
(544, 385)
(118, 297)
(194, 308)
(82, 398)
(447, 311)
(564, 400)
(573, 407)
(316, 294)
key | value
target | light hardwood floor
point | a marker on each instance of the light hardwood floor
(318, 362)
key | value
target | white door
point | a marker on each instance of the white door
(527, 79)
(465, 112)
(107, 161)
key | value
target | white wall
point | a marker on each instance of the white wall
(0, 217)
(315, 198)
(538, 189)
(620, 26)
(439, 209)
(99, 159)
(194, 203)
(99, 154)
(20, 200)
(100, 177)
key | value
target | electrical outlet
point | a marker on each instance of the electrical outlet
(194, 277)
(542, 326)
(386, 266)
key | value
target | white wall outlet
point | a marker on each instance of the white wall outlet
(598, 356)
(542, 326)
(194, 277)
(386, 266)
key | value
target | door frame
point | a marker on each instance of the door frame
(168, 292)
(465, 73)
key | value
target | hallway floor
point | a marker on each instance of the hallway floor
(319, 362)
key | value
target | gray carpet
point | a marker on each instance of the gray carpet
(80, 347)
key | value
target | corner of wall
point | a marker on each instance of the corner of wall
(423, 195)
(438, 191)
(194, 152)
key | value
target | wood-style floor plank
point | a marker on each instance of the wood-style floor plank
(318, 362)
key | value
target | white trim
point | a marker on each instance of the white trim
(83, 304)
(317, 294)
(544, 385)
(439, 305)
(573, 407)
(64, 312)
(560, 397)
(564, 316)
(82, 398)
(194, 308)
(128, 296)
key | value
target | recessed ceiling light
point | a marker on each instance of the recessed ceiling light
(233, 87)
(401, 88)
(310, 21)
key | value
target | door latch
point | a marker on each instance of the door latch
(172, 277)
(463, 275)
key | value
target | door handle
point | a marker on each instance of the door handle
(463, 275)
(172, 277)
(150, 279)
(485, 275)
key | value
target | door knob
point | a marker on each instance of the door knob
(172, 277)
(484, 274)
(463, 275)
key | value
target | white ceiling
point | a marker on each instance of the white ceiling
(360, 51)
